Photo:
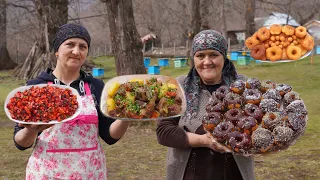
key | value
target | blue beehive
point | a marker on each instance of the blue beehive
(183, 62)
(97, 72)
(163, 62)
(180, 62)
(318, 49)
(234, 56)
(146, 61)
(177, 63)
(154, 70)
(243, 60)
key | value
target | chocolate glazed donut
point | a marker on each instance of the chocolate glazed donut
(221, 92)
(222, 130)
(253, 111)
(238, 86)
(233, 115)
(247, 124)
(211, 120)
(239, 142)
(233, 100)
(215, 105)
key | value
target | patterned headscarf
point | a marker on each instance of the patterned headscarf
(68, 31)
(207, 39)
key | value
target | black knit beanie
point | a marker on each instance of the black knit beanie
(68, 31)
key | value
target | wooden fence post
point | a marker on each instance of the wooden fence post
(174, 49)
(152, 47)
(162, 49)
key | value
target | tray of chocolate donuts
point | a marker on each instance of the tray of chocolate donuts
(279, 43)
(255, 117)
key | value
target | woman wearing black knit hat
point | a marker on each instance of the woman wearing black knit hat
(192, 155)
(70, 150)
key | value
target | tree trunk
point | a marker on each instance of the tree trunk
(195, 22)
(204, 15)
(249, 15)
(58, 15)
(128, 56)
(5, 60)
(51, 15)
(185, 29)
(223, 20)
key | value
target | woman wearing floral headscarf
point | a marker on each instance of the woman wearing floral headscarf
(192, 155)
(70, 150)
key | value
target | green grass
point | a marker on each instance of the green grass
(7, 84)
(138, 156)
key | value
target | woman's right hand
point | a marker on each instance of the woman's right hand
(205, 140)
(213, 144)
(26, 136)
(34, 128)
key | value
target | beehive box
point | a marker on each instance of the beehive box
(163, 62)
(97, 72)
(154, 70)
(243, 60)
(146, 61)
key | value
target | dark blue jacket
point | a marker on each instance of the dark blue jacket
(96, 87)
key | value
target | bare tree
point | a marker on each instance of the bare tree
(128, 54)
(301, 10)
(249, 16)
(223, 19)
(177, 19)
(150, 13)
(195, 22)
(51, 15)
(5, 60)
(204, 15)
(312, 11)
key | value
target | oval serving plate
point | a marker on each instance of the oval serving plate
(23, 88)
(286, 60)
(125, 78)
(282, 61)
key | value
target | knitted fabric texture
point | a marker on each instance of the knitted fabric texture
(207, 39)
(68, 31)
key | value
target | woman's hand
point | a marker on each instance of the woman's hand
(215, 145)
(34, 128)
(118, 128)
(26, 136)
(204, 140)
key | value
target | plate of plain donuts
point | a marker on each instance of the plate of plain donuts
(279, 43)
(255, 117)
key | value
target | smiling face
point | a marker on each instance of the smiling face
(209, 64)
(72, 53)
